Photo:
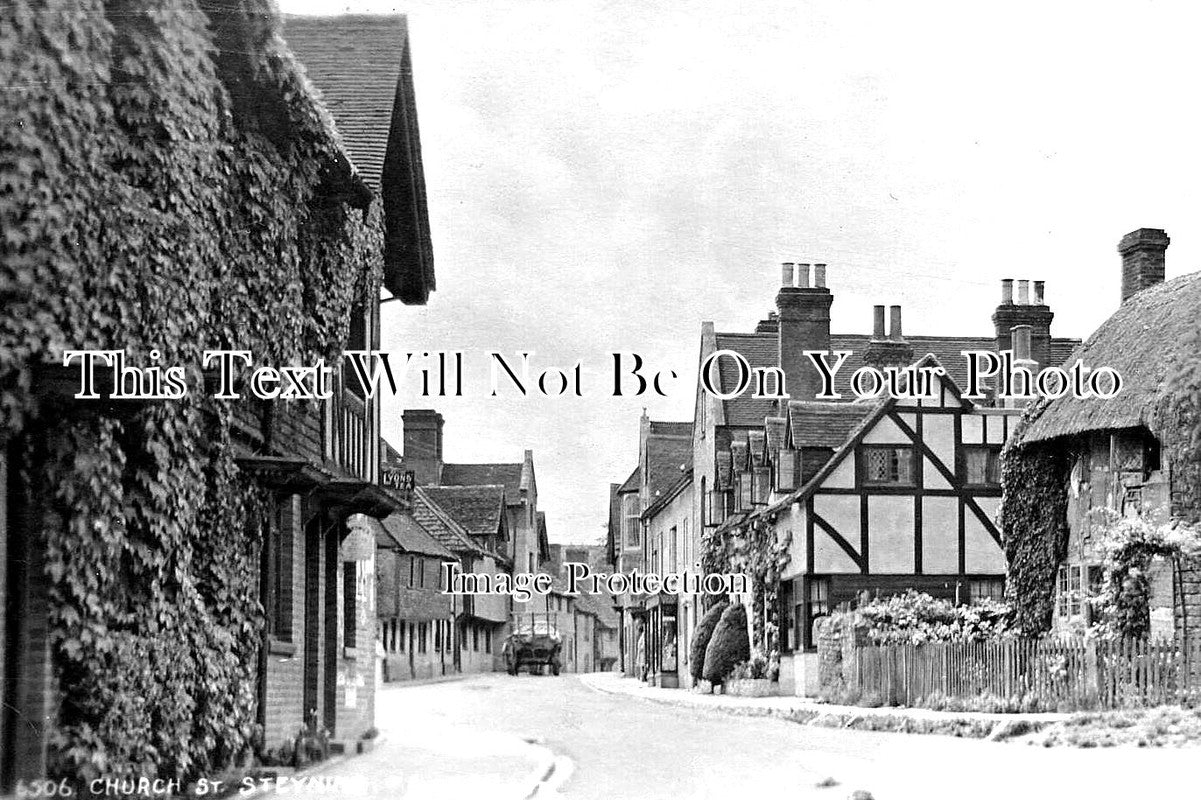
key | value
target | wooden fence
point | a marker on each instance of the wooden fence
(1030, 674)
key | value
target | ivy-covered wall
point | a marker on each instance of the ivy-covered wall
(166, 181)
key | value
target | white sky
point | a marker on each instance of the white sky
(605, 176)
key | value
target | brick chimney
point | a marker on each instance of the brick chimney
(1029, 308)
(887, 349)
(423, 445)
(804, 324)
(1142, 254)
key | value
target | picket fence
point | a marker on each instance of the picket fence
(1033, 674)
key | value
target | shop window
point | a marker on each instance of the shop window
(886, 465)
(398, 635)
(475, 638)
(982, 465)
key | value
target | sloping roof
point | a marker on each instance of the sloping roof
(506, 475)
(600, 606)
(440, 525)
(761, 350)
(666, 497)
(479, 509)
(666, 460)
(815, 423)
(362, 68)
(407, 534)
(1145, 340)
(632, 483)
(543, 538)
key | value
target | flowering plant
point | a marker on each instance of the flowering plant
(917, 618)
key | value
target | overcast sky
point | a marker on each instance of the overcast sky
(605, 176)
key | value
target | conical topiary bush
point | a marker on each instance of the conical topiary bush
(701, 637)
(729, 646)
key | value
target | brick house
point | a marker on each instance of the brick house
(308, 471)
(1129, 454)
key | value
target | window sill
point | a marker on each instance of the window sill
(278, 647)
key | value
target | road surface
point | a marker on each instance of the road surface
(467, 738)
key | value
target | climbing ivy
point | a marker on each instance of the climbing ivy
(166, 186)
(1034, 529)
(754, 549)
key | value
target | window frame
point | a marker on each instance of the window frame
(861, 460)
(993, 460)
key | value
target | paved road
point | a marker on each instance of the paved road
(464, 739)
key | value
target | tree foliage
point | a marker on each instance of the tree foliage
(701, 637)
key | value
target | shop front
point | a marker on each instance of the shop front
(662, 641)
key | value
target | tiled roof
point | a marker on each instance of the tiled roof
(361, 66)
(479, 509)
(407, 534)
(761, 350)
(506, 475)
(632, 483)
(666, 460)
(820, 424)
(445, 530)
(670, 428)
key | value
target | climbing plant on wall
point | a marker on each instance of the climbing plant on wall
(1034, 530)
(754, 549)
(167, 186)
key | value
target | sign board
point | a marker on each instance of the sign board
(401, 479)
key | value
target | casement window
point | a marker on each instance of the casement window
(788, 623)
(746, 493)
(350, 571)
(632, 521)
(399, 628)
(412, 571)
(717, 507)
(788, 470)
(1075, 586)
(982, 465)
(487, 641)
(761, 486)
(886, 465)
(475, 638)
(421, 572)
(980, 589)
(277, 554)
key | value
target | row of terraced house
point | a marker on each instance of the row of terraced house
(872, 497)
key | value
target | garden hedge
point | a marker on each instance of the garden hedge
(729, 646)
(701, 637)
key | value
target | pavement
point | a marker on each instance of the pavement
(973, 724)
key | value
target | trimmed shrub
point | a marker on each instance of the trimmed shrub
(700, 640)
(729, 645)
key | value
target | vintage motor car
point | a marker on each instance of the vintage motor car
(534, 644)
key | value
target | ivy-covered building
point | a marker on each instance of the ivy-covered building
(188, 582)
(1078, 464)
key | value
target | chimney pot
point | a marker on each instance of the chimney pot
(1020, 336)
(878, 322)
(802, 275)
(819, 276)
(786, 273)
(1023, 293)
(1038, 293)
(894, 323)
(1007, 291)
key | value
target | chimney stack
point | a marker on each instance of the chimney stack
(804, 324)
(423, 445)
(1020, 335)
(878, 323)
(786, 273)
(891, 349)
(1036, 315)
(1143, 259)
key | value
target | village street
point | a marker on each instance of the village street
(466, 738)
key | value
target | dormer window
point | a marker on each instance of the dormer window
(788, 463)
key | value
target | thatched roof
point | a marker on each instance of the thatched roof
(1144, 341)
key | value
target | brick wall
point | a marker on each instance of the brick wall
(284, 711)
